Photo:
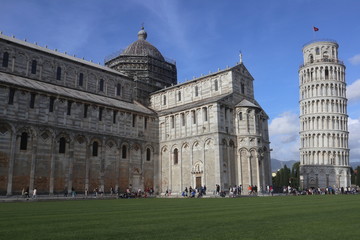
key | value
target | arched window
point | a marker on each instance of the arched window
(23, 141)
(11, 96)
(196, 91)
(114, 116)
(51, 105)
(32, 100)
(62, 145)
(193, 113)
(326, 73)
(101, 85)
(179, 96)
(205, 114)
(148, 154)
(33, 66)
(240, 116)
(172, 118)
(176, 156)
(81, 79)
(118, 89)
(216, 85)
(69, 108)
(242, 86)
(326, 55)
(317, 51)
(164, 100)
(5, 62)
(95, 149)
(311, 58)
(183, 122)
(134, 120)
(58, 73)
(123, 152)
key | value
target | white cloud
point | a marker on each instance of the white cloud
(353, 91)
(354, 139)
(355, 60)
(286, 123)
(284, 136)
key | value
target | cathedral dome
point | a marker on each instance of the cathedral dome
(141, 47)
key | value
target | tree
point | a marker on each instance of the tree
(295, 175)
(285, 177)
(357, 176)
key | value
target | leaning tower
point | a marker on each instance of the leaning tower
(324, 152)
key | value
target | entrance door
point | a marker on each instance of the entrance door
(198, 182)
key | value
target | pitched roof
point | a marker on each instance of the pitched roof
(246, 103)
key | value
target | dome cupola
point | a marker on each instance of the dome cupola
(141, 47)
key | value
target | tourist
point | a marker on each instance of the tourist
(34, 193)
(250, 190)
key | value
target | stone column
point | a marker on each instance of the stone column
(33, 162)
(258, 173)
(117, 168)
(11, 163)
(87, 165)
(228, 164)
(217, 161)
(204, 167)
(249, 169)
(239, 177)
(181, 168)
(71, 165)
(52, 167)
(102, 165)
(263, 182)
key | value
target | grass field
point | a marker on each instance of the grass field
(303, 217)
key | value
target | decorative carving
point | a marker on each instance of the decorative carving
(3, 129)
(45, 135)
(80, 140)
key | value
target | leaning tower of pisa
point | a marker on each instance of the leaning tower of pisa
(324, 152)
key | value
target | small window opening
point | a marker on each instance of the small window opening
(23, 141)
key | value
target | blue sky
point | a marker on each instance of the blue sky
(205, 35)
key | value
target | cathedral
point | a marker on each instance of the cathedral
(67, 123)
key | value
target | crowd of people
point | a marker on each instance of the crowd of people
(318, 191)
(200, 191)
(191, 192)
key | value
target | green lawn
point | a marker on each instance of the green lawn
(303, 217)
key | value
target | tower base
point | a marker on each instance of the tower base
(315, 176)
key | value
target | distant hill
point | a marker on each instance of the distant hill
(277, 164)
(354, 164)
